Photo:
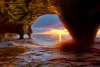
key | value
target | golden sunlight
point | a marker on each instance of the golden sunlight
(55, 32)
(98, 33)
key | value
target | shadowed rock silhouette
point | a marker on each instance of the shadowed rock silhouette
(82, 19)
(6, 27)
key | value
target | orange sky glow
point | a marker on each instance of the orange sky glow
(98, 33)
(55, 32)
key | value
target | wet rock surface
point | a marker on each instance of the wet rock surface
(40, 56)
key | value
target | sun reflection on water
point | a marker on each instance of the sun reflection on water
(59, 33)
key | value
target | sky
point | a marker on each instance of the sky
(48, 21)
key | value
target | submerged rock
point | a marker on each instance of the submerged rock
(33, 55)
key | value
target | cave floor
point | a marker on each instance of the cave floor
(26, 53)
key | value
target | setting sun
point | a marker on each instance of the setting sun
(98, 33)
